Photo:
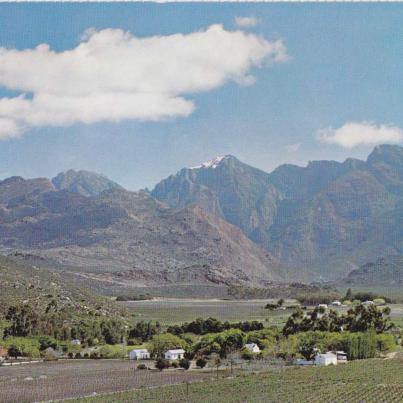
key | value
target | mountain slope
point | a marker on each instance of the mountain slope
(386, 271)
(132, 236)
(83, 182)
(330, 217)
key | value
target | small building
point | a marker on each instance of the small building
(176, 354)
(139, 354)
(252, 347)
(76, 342)
(326, 359)
(341, 356)
(336, 303)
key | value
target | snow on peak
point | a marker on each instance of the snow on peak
(212, 163)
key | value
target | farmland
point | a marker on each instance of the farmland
(360, 381)
(72, 378)
(176, 311)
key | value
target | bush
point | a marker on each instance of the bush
(161, 364)
(94, 355)
(247, 355)
(77, 355)
(174, 364)
(141, 366)
(201, 362)
(385, 343)
(184, 363)
(115, 351)
(22, 347)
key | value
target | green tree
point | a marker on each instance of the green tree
(24, 321)
(165, 341)
(201, 362)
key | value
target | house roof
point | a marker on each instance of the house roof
(177, 351)
(251, 345)
(139, 350)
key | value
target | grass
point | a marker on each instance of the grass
(177, 311)
(359, 381)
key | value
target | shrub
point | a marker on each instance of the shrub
(247, 355)
(201, 362)
(184, 363)
(174, 364)
(161, 364)
(77, 355)
(141, 366)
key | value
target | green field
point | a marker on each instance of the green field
(176, 311)
(359, 381)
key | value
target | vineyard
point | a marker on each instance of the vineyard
(360, 381)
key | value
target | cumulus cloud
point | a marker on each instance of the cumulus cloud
(353, 134)
(112, 75)
(245, 22)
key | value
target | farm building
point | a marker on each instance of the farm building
(336, 303)
(76, 342)
(326, 359)
(174, 354)
(139, 354)
(252, 347)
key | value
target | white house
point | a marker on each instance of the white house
(176, 354)
(139, 354)
(76, 342)
(336, 303)
(252, 347)
(326, 359)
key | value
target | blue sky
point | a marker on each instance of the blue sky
(345, 65)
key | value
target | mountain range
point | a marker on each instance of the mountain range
(223, 222)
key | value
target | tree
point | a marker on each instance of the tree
(201, 362)
(144, 330)
(349, 295)
(166, 341)
(184, 363)
(24, 321)
(161, 364)
(307, 348)
(280, 302)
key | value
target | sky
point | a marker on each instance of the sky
(137, 91)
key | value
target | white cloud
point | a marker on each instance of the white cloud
(112, 76)
(293, 147)
(245, 22)
(353, 134)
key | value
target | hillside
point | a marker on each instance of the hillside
(24, 283)
(129, 237)
(329, 217)
(387, 271)
(83, 182)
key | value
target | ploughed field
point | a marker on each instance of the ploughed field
(369, 381)
(73, 378)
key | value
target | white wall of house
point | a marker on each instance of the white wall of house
(174, 354)
(142, 354)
